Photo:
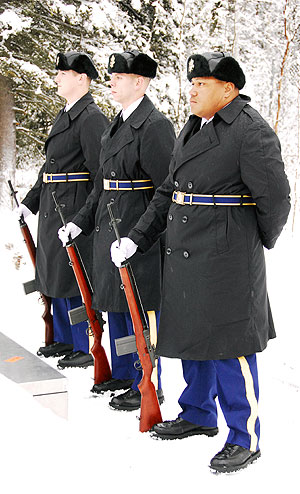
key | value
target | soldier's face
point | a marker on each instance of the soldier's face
(67, 83)
(207, 96)
(124, 88)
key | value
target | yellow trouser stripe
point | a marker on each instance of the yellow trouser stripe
(153, 339)
(91, 338)
(250, 395)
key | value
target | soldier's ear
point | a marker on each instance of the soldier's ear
(139, 81)
(142, 82)
(229, 88)
(83, 78)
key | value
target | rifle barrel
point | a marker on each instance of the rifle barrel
(113, 222)
(58, 208)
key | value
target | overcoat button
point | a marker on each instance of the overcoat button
(176, 183)
(97, 228)
(186, 254)
(190, 185)
(52, 161)
(112, 199)
(45, 215)
(170, 217)
(184, 219)
(112, 173)
(168, 251)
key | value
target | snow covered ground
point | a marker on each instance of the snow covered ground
(101, 449)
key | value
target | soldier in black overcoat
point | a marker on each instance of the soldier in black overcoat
(134, 161)
(226, 198)
(72, 160)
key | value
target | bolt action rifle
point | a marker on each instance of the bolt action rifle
(150, 411)
(102, 370)
(29, 287)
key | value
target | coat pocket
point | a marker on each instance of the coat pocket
(221, 229)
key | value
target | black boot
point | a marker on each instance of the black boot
(233, 458)
(112, 385)
(131, 400)
(76, 359)
(55, 350)
(180, 428)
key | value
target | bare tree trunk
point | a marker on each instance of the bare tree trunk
(297, 167)
(7, 139)
(284, 59)
(290, 33)
(180, 94)
(235, 43)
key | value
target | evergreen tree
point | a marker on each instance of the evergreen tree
(263, 35)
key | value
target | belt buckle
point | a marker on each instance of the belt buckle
(47, 178)
(180, 197)
(106, 184)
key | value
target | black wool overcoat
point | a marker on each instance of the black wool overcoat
(73, 145)
(140, 150)
(214, 302)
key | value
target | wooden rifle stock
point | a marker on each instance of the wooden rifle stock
(47, 316)
(150, 410)
(102, 370)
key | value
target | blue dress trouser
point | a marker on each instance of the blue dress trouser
(235, 383)
(125, 367)
(63, 331)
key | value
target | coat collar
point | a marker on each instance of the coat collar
(112, 145)
(231, 111)
(80, 105)
(63, 119)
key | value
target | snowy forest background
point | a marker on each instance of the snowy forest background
(263, 35)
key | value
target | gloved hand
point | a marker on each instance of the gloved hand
(22, 210)
(70, 230)
(120, 253)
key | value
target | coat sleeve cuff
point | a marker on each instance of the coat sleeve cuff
(140, 240)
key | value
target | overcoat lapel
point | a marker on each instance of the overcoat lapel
(198, 144)
(207, 138)
(112, 145)
(63, 119)
(61, 123)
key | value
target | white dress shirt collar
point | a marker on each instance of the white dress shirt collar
(69, 105)
(126, 113)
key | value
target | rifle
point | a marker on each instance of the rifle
(102, 370)
(30, 286)
(150, 411)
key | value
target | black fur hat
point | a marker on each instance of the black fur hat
(219, 65)
(78, 61)
(132, 62)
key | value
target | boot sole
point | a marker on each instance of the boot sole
(57, 354)
(236, 468)
(82, 366)
(130, 409)
(194, 432)
(102, 391)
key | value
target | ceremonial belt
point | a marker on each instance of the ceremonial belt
(212, 200)
(127, 184)
(49, 178)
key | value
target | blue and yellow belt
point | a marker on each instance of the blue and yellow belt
(49, 178)
(127, 184)
(212, 200)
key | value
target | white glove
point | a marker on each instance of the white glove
(120, 253)
(22, 210)
(70, 230)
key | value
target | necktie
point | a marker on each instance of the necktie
(117, 125)
(196, 127)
